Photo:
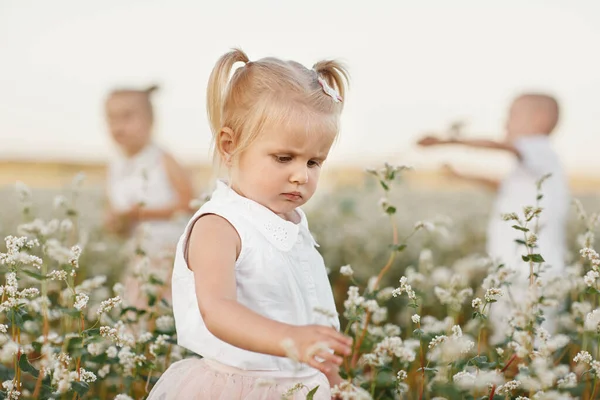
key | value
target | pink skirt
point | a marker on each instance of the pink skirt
(202, 379)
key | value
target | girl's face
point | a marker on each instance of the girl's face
(129, 121)
(281, 168)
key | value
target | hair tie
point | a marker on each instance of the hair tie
(331, 92)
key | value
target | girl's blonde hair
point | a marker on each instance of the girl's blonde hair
(272, 92)
(145, 96)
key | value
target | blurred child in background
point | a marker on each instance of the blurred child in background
(531, 120)
(147, 189)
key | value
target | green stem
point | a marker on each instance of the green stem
(373, 382)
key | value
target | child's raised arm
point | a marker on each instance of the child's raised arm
(488, 183)
(213, 248)
(428, 141)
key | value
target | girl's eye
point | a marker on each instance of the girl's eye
(283, 159)
(313, 163)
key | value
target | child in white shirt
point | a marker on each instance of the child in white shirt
(249, 286)
(531, 120)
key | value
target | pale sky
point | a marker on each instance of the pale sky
(415, 65)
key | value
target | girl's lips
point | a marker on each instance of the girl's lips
(292, 195)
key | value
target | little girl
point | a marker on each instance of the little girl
(146, 187)
(249, 287)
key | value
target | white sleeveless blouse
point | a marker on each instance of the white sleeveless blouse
(143, 179)
(279, 274)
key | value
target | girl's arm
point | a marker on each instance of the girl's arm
(214, 246)
(182, 185)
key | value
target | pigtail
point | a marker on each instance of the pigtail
(335, 73)
(151, 89)
(217, 86)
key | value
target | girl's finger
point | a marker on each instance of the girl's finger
(339, 348)
(323, 367)
(328, 357)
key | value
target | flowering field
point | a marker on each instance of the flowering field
(410, 276)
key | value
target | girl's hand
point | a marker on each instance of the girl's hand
(314, 344)
(112, 222)
(429, 141)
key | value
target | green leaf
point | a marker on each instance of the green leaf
(75, 342)
(537, 258)
(478, 361)
(81, 388)
(418, 332)
(384, 186)
(520, 241)
(540, 196)
(155, 281)
(520, 228)
(130, 308)
(91, 332)
(311, 394)
(34, 275)
(525, 258)
(26, 367)
(398, 247)
(391, 210)
(14, 317)
(592, 290)
(477, 314)
(165, 303)
(5, 373)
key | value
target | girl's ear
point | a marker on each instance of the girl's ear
(226, 145)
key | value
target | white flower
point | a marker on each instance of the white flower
(123, 397)
(401, 375)
(108, 305)
(290, 349)
(112, 352)
(346, 270)
(416, 318)
(74, 256)
(145, 337)
(3, 328)
(404, 287)
(584, 357)
(95, 349)
(15, 253)
(102, 372)
(492, 294)
(66, 225)
(353, 304)
(508, 387)
(81, 300)
(590, 277)
(165, 323)
(464, 380)
(86, 376)
(437, 340)
(59, 275)
(569, 381)
(477, 303)
(119, 289)
(592, 321)
(391, 330)
(371, 306)
(500, 351)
